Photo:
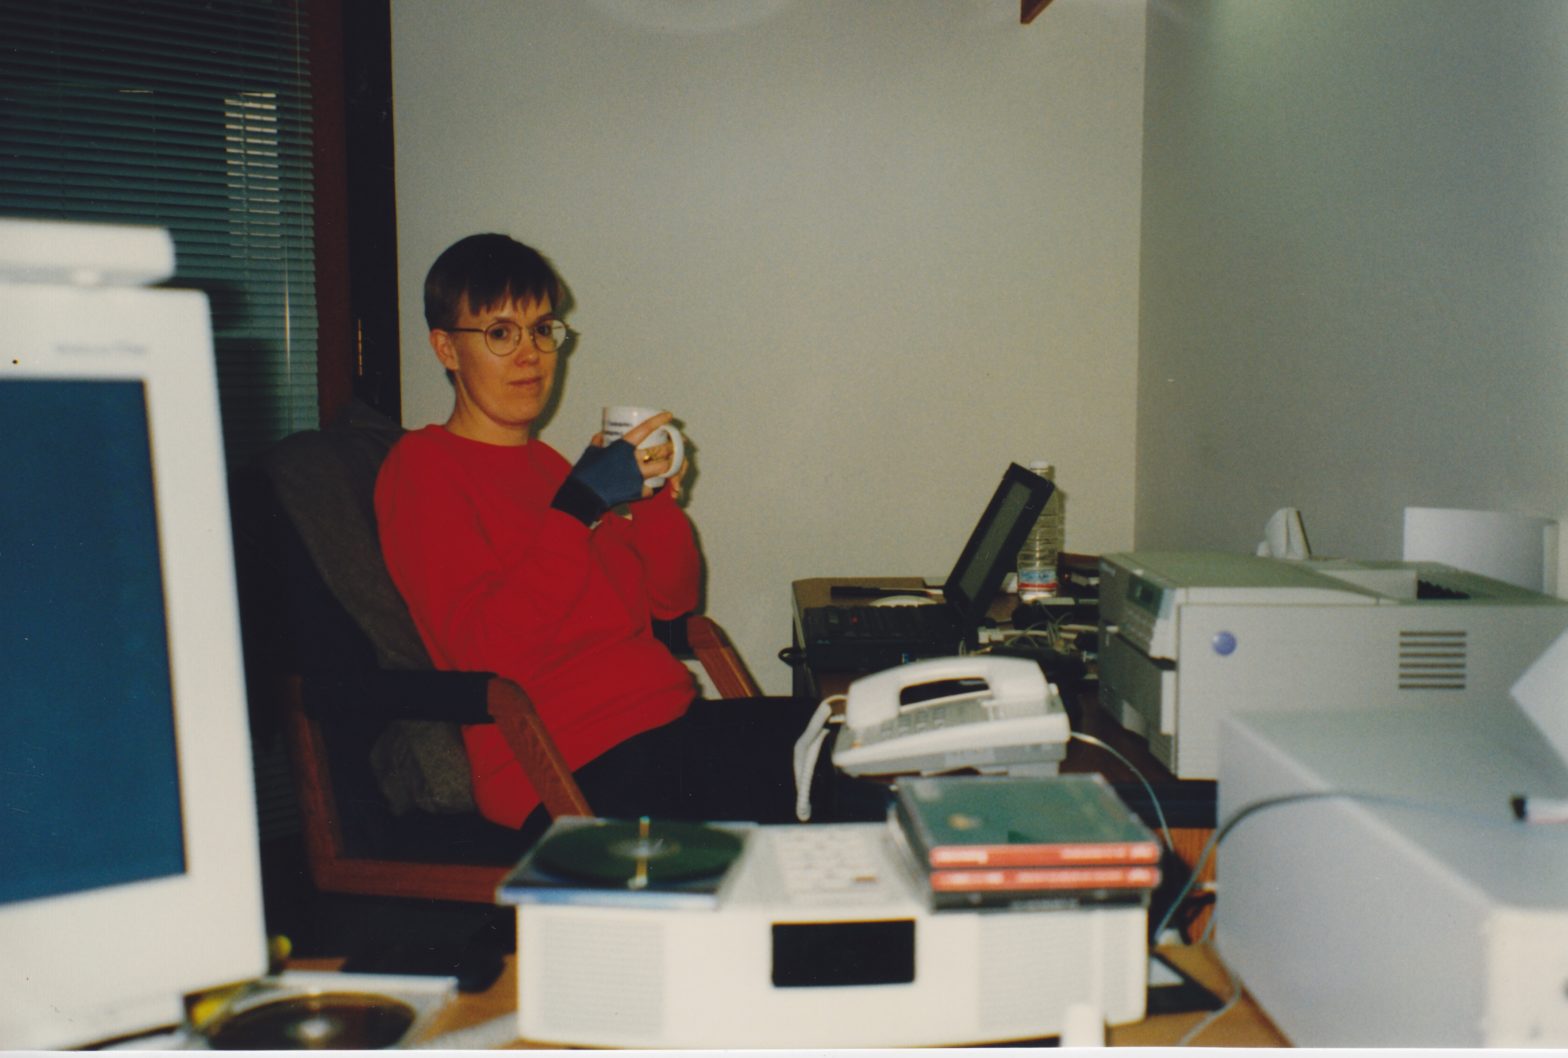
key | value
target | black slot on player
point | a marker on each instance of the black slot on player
(834, 954)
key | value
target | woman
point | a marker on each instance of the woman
(514, 561)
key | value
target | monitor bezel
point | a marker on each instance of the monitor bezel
(88, 966)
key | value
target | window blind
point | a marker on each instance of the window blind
(193, 116)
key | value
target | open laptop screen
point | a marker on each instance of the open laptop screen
(993, 545)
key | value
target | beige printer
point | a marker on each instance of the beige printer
(1188, 637)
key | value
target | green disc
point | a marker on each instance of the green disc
(619, 852)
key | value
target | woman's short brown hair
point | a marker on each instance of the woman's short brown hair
(487, 270)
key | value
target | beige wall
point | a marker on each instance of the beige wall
(869, 251)
(1354, 267)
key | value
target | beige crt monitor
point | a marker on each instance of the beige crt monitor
(1378, 889)
(129, 873)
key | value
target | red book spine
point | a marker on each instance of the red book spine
(1046, 878)
(1116, 852)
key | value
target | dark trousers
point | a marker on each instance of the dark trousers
(722, 761)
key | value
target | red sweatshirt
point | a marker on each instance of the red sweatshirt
(497, 581)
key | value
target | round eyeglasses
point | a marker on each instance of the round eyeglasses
(503, 337)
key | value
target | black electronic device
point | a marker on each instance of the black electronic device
(869, 638)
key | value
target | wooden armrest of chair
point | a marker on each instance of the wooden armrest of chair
(719, 659)
(525, 733)
(333, 868)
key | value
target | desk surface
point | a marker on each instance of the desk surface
(1244, 1025)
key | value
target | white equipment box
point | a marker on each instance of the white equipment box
(819, 937)
(1188, 637)
(1420, 913)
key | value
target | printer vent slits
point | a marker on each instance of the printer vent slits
(1432, 661)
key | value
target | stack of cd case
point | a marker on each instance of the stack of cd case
(635, 863)
(1024, 843)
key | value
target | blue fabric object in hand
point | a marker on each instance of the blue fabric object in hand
(602, 478)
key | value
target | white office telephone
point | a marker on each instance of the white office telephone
(993, 714)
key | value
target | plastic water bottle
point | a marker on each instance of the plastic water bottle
(1037, 556)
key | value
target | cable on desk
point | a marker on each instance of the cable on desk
(1047, 636)
(1247, 811)
(1050, 629)
(1205, 1022)
(1209, 847)
(808, 747)
(1159, 813)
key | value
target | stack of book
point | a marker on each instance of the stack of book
(1024, 843)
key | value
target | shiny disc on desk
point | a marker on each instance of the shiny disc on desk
(322, 1021)
(630, 854)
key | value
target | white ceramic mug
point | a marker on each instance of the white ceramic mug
(619, 418)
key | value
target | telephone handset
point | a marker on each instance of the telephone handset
(993, 714)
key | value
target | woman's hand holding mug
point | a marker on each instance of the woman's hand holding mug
(661, 450)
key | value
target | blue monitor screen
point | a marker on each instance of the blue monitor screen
(89, 788)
